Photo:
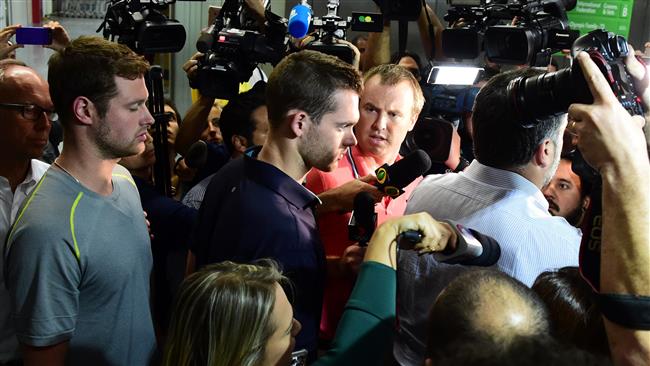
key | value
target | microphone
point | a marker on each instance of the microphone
(392, 178)
(299, 20)
(196, 155)
(472, 247)
(364, 219)
(204, 43)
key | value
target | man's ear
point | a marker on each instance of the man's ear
(586, 201)
(84, 110)
(298, 122)
(543, 155)
(239, 143)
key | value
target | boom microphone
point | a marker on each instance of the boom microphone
(392, 178)
(299, 20)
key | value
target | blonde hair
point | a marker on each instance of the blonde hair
(222, 315)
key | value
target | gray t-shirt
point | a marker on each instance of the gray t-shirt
(78, 267)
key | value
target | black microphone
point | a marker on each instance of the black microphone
(364, 219)
(196, 155)
(392, 178)
(472, 247)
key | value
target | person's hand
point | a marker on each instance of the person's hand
(351, 260)
(257, 10)
(436, 236)
(60, 38)
(191, 66)
(6, 47)
(357, 54)
(341, 198)
(640, 77)
(184, 172)
(608, 137)
(148, 225)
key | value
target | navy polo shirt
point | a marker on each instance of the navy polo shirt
(253, 210)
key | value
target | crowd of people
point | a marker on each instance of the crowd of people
(248, 260)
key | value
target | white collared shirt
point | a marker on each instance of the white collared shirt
(494, 202)
(10, 203)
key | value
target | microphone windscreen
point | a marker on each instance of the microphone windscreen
(491, 251)
(196, 155)
(299, 20)
(405, 171)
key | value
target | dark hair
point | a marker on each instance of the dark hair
(88, 67)
(307, 80)
(170, 103)
(396, 57)
(573, 309)
(541, 350)
(236, 115)
(500, 141)
(455, 313)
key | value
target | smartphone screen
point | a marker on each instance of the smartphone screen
(34, 35)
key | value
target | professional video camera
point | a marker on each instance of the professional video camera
(510, 31)
(233, 46)
(330, 27)
(143, 27)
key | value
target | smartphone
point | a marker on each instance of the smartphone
(299, 358)
(34, 35)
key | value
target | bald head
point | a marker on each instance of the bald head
(485, 304)
(23, 133)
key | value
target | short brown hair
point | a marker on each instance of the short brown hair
(307, 80)
(88, 67)
(392, 74)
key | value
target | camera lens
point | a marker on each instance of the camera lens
(547, 94)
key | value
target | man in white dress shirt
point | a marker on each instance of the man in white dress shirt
(499, 195)
(26, 112)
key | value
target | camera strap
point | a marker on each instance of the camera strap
(629, 311)
(353, 165)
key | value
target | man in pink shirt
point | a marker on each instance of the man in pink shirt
(390, 104)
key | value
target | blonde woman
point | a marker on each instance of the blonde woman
(239, 315)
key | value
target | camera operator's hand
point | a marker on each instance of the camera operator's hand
(608, 137)
(191, 66)
(60, 38)
(257, 10)
(357, 54)
(6, 47)
(436, 237)
(341, 198)
(641, 79)
(351, 260)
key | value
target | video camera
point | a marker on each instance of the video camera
(233, 46)
(142, 26)
(330, 27)
(509, 31)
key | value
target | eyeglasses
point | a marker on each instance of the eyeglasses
(32, 111)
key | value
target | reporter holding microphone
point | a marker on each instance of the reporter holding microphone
(238, 314)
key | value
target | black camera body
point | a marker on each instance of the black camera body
(232, 50)
(552, 93)
(541, 28)
(143, 27)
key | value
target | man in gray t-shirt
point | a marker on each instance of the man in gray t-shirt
(78, 259)
(78, 269)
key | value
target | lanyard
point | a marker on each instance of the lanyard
(352, 164)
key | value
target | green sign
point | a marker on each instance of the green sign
(613, 15)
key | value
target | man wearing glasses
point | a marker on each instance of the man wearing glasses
(25, 120)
